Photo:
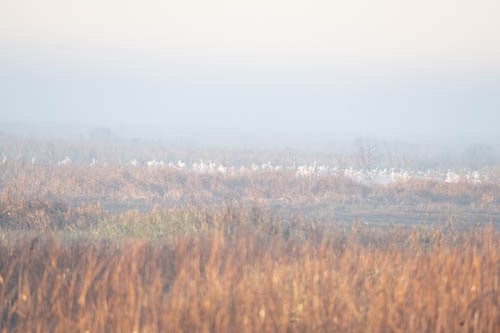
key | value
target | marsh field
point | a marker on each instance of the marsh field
(134, 238)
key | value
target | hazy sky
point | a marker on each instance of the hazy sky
(387, 67)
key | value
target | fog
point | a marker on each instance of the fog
(213, 107)
(252, 73)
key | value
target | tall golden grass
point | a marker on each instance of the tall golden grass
(244, 276)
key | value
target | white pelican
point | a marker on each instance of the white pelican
(65, 161)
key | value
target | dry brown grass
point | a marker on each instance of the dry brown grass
(121, 185)
(213, 253)
(252, 278)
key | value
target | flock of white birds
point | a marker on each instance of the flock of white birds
(366, 176)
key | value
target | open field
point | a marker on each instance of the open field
(132, 247)
(249, 166)
(75, 197)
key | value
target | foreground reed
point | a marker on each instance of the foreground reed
(250, 279)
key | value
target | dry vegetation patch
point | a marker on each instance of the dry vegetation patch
(118, 185)
(249, 279)
(113, 247)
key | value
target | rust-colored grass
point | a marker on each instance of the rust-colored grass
(113, 248)
(48, 197)
(255, 279)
